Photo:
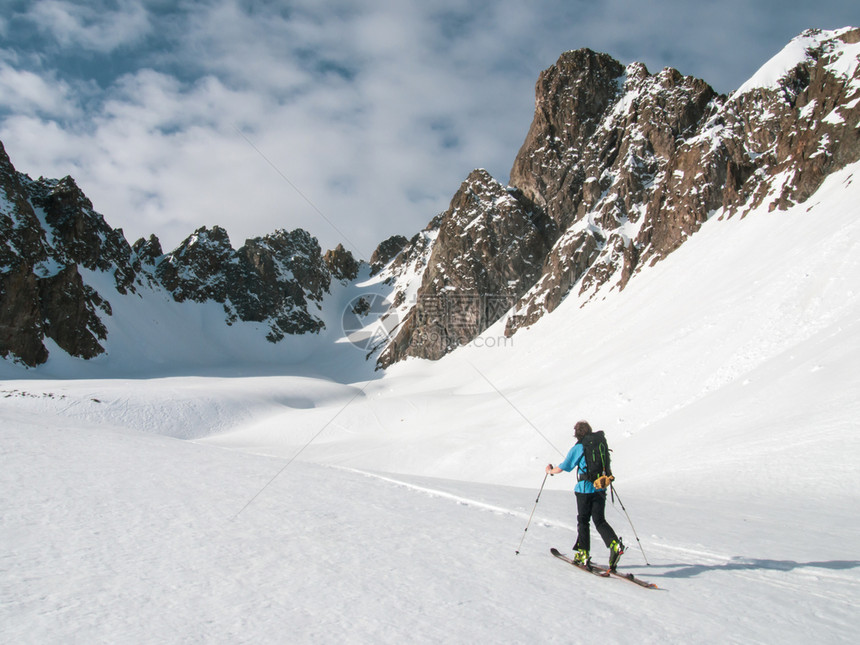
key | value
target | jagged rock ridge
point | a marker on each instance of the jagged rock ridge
(54, 241)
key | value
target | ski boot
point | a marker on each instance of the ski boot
(581, 556)
(616, 549)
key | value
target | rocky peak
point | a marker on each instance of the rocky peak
(386, 252)
(147, 251)
(798, 124)
(620, 166)
(269, 279)
(487, 251)
(341, 263)
(570, 97)
(618, 169)
(295, 256)
(49, 231)
(195, 270)
(19, 227)
(79, 234)
(670, 152)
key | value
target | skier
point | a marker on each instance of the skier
(590, 503)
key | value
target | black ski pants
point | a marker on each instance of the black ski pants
(592, 506)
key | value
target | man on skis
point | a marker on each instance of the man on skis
(590, 494)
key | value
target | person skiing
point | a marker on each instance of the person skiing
(590, 502)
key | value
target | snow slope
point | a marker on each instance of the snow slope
(356, 507)
(769, 75)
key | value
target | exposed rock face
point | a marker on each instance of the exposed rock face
(196, 269)
(386, 252)
(797, 131)
(571, 97)
(20, 229)
(69, 308)
(487, 252)
(41, 290)
(280, 275)
(270, 279)
(21, 320)
(58, 306)
(80, 236)
(341, 263)
(147, 252)
(605, 188)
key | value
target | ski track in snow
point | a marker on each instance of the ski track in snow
(709, 560)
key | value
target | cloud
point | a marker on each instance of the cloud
(25, 92)
(95, 26)
(221, 111)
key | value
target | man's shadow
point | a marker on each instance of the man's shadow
(750, 564)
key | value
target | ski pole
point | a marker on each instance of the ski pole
(615, 493)
(532, 514)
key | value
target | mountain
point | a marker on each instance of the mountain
(619, 168)
(57, 247)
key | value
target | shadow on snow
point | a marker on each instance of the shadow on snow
(750, 564)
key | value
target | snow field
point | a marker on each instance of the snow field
(112, 536)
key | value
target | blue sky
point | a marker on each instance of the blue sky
(353, 120)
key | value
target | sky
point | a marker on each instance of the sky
(353, 120)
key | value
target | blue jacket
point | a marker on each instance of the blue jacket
(576, 459)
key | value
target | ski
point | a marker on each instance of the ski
(631, 578)
(604, 572)
(598, 571)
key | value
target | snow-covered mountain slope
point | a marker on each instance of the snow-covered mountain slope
(759, 314)
(840, 56)
(383, 508)
(619, 169)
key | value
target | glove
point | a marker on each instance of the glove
(603, 482)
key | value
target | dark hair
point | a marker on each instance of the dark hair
(581, 429)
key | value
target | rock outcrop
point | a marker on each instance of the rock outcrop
(487, 252)
(386, 252)
(341, 264)
(49, 231)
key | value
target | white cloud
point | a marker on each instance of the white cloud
(374, 111)
(95, 26)
(26, 92)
